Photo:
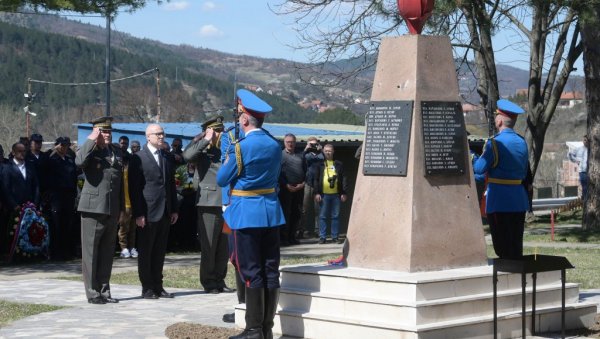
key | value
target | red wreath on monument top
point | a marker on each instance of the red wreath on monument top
(415, 13)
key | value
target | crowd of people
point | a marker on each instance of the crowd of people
(52, 181)
(250, 197)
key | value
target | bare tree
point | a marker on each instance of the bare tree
(332, 30)
(57, 123)
(552, 38)
(590, 35)
(12, 126)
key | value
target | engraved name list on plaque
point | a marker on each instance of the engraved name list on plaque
(443, 137)
(387, 138)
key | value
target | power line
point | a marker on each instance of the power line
(91, 83)
(52, 14)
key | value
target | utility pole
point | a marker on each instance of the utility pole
(107, 64)
(28, 114)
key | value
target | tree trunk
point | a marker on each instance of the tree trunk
(590, 35)
(544, 94)
(480, 26)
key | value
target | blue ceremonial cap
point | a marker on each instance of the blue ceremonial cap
(509, 108)
(252, 104)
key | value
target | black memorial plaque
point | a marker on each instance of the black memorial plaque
(443, 137)
(387, 138)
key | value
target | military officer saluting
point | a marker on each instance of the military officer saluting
(505, 162)
(100, 204)
(205, 153)
(254, 214)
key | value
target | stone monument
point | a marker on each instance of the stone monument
(421, 217)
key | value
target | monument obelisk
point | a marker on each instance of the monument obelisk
(415, 203)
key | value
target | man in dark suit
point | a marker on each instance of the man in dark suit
(19, 180)
(100, 204)
(154, 206)
(39, 159)
(19, 185)
(62, 191)
(205, 154)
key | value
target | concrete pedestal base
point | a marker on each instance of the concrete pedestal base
(331, 302)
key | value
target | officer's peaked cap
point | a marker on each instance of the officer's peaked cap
(104, 123)
(214, 123)
(252, 104)
(509, 108)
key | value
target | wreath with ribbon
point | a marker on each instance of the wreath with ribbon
(31, 234)
(184, 183)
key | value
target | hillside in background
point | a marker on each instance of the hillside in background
(192, 80)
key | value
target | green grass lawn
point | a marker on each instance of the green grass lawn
(587, 267)
(188, 276)
(10, 311)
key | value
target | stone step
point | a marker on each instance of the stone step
(297, 323)
(419, 312)
(403, 286)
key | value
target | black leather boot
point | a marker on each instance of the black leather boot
(271, 300)
(255, 313)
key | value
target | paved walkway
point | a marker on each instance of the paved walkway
(133, 317)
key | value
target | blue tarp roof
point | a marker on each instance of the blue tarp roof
(187, 131)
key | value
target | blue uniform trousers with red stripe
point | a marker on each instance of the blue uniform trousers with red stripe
(256, 252)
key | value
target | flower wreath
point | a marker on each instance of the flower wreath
(183, 182)
(31, 235)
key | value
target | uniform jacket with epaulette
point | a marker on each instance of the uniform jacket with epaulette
(207, 161)
(260, 155)
(102, 191)
(507, 161)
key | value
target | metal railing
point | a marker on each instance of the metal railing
(552, 203)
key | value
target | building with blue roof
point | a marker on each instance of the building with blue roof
(336, 134)
(345, 138)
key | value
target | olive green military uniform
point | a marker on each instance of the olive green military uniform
(100, 204)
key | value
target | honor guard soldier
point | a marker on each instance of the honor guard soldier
(100, 204)
(505, 162)
(254, 214)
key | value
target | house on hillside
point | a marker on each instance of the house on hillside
(567, 99)
(570, 99)
(254, 88)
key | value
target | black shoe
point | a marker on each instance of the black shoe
(149, 294)
(253, 333)
(96, 300)
(229, 317)
(340, 241)
(110, 300)
(213, 291)
(321, 241)
(226, 289)
(294, 242)
(165, 294)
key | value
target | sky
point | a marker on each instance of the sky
(246, 27)
(233, 26)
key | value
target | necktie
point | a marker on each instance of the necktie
(160, 159)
